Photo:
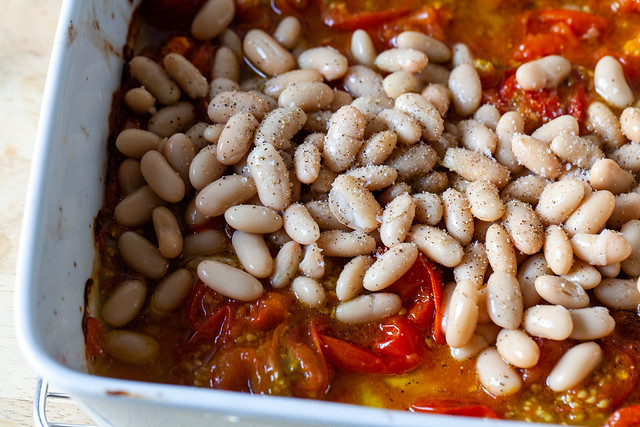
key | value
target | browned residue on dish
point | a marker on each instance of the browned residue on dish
(71, 33)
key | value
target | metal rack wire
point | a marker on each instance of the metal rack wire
(40, 400)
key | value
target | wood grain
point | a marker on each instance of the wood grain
(26, 36)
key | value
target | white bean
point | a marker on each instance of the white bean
(462, 316)
(397, 218)
(354, 205)
(312, 264)
(124, 303)
(396, 59)
(266, 53)
(621, 294)
(212, 19)
(308, 291)
(536, 156)
(186, 75)
(501, 253)
(362, 48)
(592, 214)
(605, 248)
(559, 291)
(221, 194)
(229, 281)
(368, 308)
(574, 366)
(349, 283)
(475, 166)
(609, 81)
(517, 348)
(171, 292)
(457, 216)
(591, 323)
(326, 60)
(583, 274)
(558, 251)
(436, 50)
(524, 227)
(466, 89)
(630, 123)
(504, 300)
(253, 219)
(286, 264)
(142, 256)
(390, 266)
(484, 201)
(271, 176)
(495, 375)
(544, 73)
(559, 200)
(548, 321)
(155, 79)
(473, 265)
(436, 244)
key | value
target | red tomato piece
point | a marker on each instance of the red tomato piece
(580, 22)
(269, 310)
(94, 338)
(350, 357)
(453, 407)
(401, 338)
(215, 325)
(310, 372)
(625, 417)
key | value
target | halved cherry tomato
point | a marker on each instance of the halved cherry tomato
(94, 338)
(269, 310)
(580, 22)
(625, 417)
(215, 325)
(349, 357)
(308, 365)
(201, 304)
(337, 15)
(453, 407)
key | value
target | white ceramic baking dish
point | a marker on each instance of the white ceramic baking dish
(57, 252)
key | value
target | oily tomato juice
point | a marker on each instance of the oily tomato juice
(275, 344)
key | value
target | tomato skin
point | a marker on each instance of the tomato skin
(625, 417)
(215, 325)
(94, 338)
(269, 310)
(338, 16)
(453, 407)
(311, 374)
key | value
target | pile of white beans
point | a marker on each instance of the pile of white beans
(542, 231)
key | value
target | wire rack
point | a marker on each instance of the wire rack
(43, 397)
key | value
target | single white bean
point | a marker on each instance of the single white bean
(504, 300)
(606, 248)
(495, 375)
(559, 291)
(349, 282)
(609, 81)
(574, 366)
(390, 266)
(548, 321)
(286, 264)
(309, 291)
(253, 219)
(558, 251)
(436, 244)
(462, 313)
(517, 348)
(591, 323)
(229, 281)
(368, 308)
(621, 294)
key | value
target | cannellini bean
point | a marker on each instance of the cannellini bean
(501, 253)
(136, 208)
(205, 168)
(344, 138)
(279, 126)
(457, 216)
(524, 227)
(168, 232)
(321, 213)
(155, 79)
(434, 73)
(574, 366)
(130, 178)
(578, 151)
(309, 291)
(534, 267)
(397, 218)
(221, 194)
(509, 124)
(601, 121)
(610, 270)
(473, 265)
(186, 75)
(299, 224)
(368, 307)
(504, 300)
(253, 219)
(354, 205)
(396, 59)
(136, 142)
(592, 214)
(222, 84)
(566, 124)
(517, 348)
(374, 178)
(326, 60)
(605, 174)
(275, 85)
(288, 32)
(558, 251)
(627, 156)
(349, 283)
(413, 161)
(475, 166)
(439, 96)
(609, 81)
(377, 148)
(621, 294)
(390, 266)
(362, 49)
(431, 182)
(142, 256)
(131, 347)
(488, 115)
(630, 123)
(461, 55)
(462, 313)
(591, 323)
(627, 208)
(286, 264)
(605, 248)
(225, 65)
(171, 292)
(212, 19)
(362, 81)
(484, 201)
(548, 321)
(436, 50)
(399, 82)
(466, 89)
(543, 73)
(252, 253)
(229, 281)
(631, 232)
(192, 216)
(559, 291)
(226, 104)
(421, 110)
(477, 137)
(428, 208)
(323, 182)
(124, 303)
(436, 244)
(407, 128)
(308, 96)
(312, 264)
(267, 54)
(536, 156)
(495, 375)
(236, 138)
(583, 274)
(307, 159)
(395, 190)
(476, 344)
(212, 133)
(172, 119)
(339, 243)
(271, 176)
(559, 200)
(140, 101)
(527, 189)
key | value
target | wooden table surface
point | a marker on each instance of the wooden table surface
(27, 28)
